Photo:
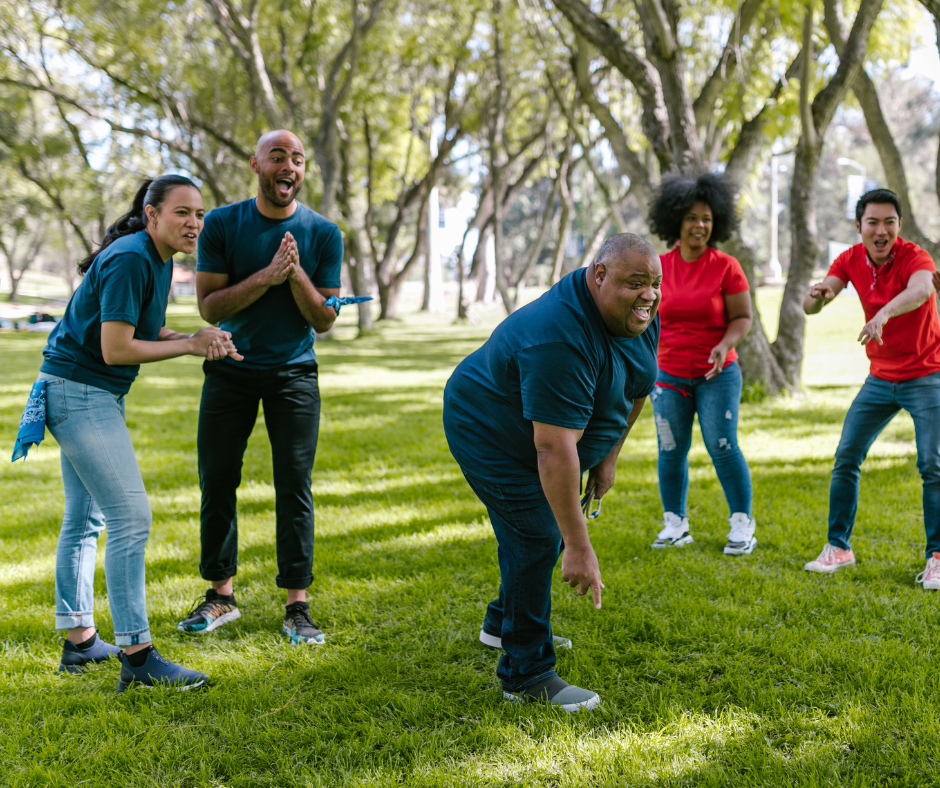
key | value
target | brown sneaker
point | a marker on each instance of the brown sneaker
(830, 559)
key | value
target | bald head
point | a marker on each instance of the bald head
(621, 247)
(280, 163)
(279, 138)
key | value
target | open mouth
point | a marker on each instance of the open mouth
(189, 236)
(284, 186)
(642, 312)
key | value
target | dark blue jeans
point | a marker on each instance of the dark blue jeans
(876, 404)
(529, 545)
(717, 401)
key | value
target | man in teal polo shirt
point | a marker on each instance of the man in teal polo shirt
(265, 270)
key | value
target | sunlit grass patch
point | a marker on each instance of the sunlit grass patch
(713, 671)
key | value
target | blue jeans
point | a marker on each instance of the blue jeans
(529, 544)
(717, 401)
(102, 485)
(876, 404)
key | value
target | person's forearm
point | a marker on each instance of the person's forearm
(138, 351)
(735, 332)
(907, 300)
(560, 474)
(166, 335)
(310, 303)
(813, 306)
(227, 301)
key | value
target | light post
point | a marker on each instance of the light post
(774, 269)
(857, 185)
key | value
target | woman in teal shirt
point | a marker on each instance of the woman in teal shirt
(113, 323)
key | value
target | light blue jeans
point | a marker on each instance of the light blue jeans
(102, 485)
(717, 402)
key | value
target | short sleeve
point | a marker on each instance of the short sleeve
(557, 385)
(921, 261)
(211, 256)
(734, 280)
(840, 266)
(122, 286)
(330, 264)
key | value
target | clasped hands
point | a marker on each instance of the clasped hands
(285, 264)
(213, 344)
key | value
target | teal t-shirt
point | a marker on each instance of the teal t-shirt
(128, 282)
(238, 241)
(552, 361)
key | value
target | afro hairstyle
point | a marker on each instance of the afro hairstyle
(678, 193)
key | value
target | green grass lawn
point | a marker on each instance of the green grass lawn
(713, 670)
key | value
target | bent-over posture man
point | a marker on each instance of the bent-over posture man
(893, 278)
(553, 393)
(266, 267)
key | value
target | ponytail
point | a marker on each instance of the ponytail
(152, 191)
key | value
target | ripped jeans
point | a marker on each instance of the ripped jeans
(675, 403)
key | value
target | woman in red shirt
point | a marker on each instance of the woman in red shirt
(705, 311)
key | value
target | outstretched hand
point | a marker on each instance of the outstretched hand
(873, 329)
(822, 292)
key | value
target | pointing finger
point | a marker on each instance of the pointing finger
(596, 587)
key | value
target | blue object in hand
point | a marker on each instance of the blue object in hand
(340, 301)
(33, 423)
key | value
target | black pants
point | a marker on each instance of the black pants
(227, 415)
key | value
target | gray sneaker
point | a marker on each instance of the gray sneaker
(558, 693)
(299, 627)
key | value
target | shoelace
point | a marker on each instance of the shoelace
(199, 607)
(932, 565)
(303, 614)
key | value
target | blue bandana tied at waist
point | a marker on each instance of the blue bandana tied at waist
(33, 424)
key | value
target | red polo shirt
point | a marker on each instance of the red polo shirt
(692, 312)
(911, 346)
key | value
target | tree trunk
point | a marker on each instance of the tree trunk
(758, 365)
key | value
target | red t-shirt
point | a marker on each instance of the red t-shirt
(911, 346)
(692, 312)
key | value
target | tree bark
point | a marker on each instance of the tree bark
(815, 120)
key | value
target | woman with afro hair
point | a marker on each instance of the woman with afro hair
(705, 312)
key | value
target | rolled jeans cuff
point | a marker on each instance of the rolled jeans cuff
(132, 638)
(74, 620)
(294, 583)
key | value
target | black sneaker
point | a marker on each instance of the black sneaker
(211, 614)
(157, 671)
(74, 658)
(299, 627)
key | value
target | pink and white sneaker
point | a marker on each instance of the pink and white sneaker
(930, 577)
(832, 558)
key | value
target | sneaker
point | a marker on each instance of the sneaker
(741, 539)
(556, 692)
(158, 671)
(211, 614)
(495, 641)
(299, 627)
(675, 532)
(830, 559)
(930, 577)
(74, 658)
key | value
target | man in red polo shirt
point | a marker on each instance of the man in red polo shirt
(893, 278)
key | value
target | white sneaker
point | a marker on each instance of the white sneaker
(741, 539)
(930, 577)
(675, 532)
